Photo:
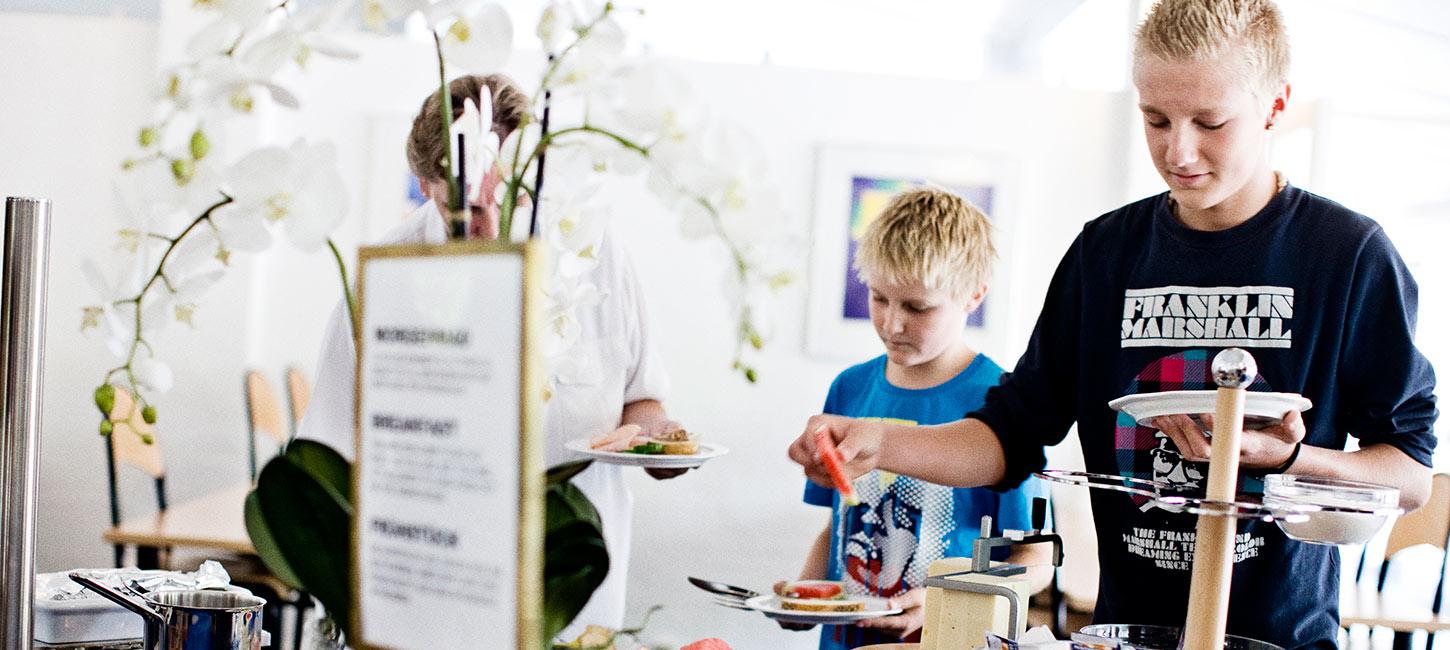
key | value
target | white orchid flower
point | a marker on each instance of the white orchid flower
(146, 195)
(241, 231)
(297, 38)
(117, 322)
(651, 101)
(564, 300)
(193, 265)
(480, 143)
(696, 221)
(476, 36)
(126, 283)
(378, 13)
(753, 215)
(586, 69)
(225, 81)
(298, 188)
(602, 154)
(557, 24)
(152, 374)
(517, 148)
(217, 37)
(679, 175)
(220, 35)
(574, 231)
(150, 195)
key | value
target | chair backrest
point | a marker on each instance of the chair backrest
(1428, 525)
(132, 442)
(129, 437)
(264, 417)
(299, 391)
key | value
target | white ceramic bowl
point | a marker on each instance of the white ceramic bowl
(1340, 512)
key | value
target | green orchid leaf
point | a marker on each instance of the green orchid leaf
(565, 471)
(299, 518)
(575, 557)
(574, 566)
(564, 503)
(323, 463)
(311, 531)
(266, 544)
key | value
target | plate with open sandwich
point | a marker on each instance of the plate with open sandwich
(628, 446)
(819, 602)
(1261, 409)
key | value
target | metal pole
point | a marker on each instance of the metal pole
(22, 340)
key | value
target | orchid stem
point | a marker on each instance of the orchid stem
(352, 315)
(138, 338)
(745, 329)
(539, 173)
(445, 99)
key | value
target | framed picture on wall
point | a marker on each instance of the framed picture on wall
(853, 185)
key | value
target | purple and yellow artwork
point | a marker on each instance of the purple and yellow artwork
(869, 197)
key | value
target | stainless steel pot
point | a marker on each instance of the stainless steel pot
(200, 619)
(1159, 637)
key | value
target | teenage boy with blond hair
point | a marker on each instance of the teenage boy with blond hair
(1230, 256)
(926, 260)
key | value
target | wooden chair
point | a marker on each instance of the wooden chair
(264, 420)
(134, 442)
(299, 392)
(127, 446)
(1362, 606)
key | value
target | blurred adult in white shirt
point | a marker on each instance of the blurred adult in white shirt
(619, 378)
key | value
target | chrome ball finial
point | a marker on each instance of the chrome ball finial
(1234, 368)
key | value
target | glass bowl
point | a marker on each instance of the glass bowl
(1160, 637)
(1340, 511)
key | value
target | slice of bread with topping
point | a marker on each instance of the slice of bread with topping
(822, 604)
(678, 442)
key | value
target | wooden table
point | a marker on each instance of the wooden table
(1359, 604)
(212, 522)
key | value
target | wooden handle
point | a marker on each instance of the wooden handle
(1214, 548)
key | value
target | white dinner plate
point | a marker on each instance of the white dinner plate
(769, 604)
(1260, 409)
(657, 461)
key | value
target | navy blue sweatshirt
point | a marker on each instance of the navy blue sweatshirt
(1141, 303)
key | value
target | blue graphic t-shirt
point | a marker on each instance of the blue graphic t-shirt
(884, 546)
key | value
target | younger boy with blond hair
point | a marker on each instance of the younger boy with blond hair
(926, 260)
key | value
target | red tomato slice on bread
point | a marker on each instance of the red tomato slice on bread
(707, 644)
(827, 452)
(810, 589)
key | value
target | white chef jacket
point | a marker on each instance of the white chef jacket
(617, 365)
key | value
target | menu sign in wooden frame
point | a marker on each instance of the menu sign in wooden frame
(448, 482)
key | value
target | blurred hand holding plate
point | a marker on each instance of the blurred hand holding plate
(1261, 409)
(656, 461)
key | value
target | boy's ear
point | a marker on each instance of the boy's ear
(1276, 111)
(978, 295)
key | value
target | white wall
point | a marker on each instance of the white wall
(76, 93)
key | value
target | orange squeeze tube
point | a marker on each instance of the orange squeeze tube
(827, 452)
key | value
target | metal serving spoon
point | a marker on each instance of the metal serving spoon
(723, 589)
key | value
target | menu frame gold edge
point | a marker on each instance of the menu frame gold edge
(530, 588)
